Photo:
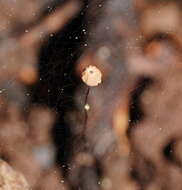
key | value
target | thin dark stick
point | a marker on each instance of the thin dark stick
(85, 111)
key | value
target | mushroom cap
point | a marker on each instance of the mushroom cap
(92, 76)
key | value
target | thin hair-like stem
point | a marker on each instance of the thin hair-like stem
(85, 112)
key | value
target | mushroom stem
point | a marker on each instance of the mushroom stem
(85, 111)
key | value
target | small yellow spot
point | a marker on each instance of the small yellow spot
(92, 76)
(87, 107)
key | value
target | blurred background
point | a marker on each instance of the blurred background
(58, 133)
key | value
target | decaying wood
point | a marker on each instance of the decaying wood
(11, 179)
(26, 138)
(130, 137)
(129, 50)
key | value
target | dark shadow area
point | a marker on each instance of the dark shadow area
(136, 113)
(58, 82)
